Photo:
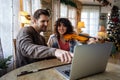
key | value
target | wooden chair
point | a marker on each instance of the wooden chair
(14, 54)
(1, 51)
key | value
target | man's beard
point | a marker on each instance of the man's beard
(44, 29)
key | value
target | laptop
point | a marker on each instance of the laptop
(88, 60)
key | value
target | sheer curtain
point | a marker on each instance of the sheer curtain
(31, 5)
(64, 11)
(68, 12)
(90, 16)
(72, 15)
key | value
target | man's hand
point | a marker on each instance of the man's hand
(64, 56)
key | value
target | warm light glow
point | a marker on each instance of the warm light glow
(102, 29)
(102, 35)
(24, 18)
(81, 25)
(23, 13)
(102, 32)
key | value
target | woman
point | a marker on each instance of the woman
(62, 26)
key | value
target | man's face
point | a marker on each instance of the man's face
(42, 23)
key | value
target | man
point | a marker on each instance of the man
(31, 46)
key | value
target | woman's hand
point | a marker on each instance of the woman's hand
(92, 40)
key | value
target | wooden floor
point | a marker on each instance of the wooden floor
(115, 58)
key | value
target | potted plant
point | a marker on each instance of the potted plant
(4, 62)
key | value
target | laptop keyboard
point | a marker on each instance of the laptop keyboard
(67, 72)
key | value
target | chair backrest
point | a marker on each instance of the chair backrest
(1, 51)
(14, 54)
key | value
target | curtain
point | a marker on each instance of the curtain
(90, 16)
(68, 12)
(64, 11)
(72, 15)
(31, 6)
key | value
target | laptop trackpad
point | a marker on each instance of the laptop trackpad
(64, 70)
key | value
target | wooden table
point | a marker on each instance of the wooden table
(112, 72)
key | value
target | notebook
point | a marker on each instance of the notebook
(88, 60)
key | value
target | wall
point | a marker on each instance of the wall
(103, 19)
(117, 3)
(47, 4)
(107, 9)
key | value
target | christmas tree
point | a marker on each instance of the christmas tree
(113, 28)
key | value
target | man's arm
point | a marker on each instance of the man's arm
(40, 51)
(29, 48)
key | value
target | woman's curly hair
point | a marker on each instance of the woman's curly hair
(66, 23)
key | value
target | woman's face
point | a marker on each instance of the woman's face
(62, 29)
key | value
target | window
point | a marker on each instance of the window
(90, 16)
(65, 11)
(31, 5)
(68, 12)
(72, 15)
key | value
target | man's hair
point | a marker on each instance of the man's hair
(39, 12)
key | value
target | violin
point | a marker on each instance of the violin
(81, 38)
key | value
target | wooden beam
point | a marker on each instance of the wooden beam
(21, 5)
